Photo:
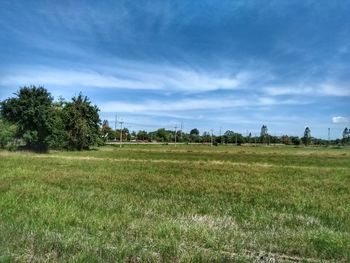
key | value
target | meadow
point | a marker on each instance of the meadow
(160, 203)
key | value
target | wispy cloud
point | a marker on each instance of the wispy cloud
(341, 120)
(322, 89)
(192, 104)
(143, 78)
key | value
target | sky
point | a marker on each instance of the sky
(229, 65)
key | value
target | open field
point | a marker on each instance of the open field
(184, 204)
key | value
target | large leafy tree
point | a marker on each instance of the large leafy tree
(31, 110)
(81, 121)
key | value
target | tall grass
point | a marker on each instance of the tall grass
(183, 204)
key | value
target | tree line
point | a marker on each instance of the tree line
(33, 120)
(228, 137)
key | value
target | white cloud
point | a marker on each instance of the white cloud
(143, 77)
(335, 90)
(340, 120)
(191, 104)
(288, 90)
(323, 89)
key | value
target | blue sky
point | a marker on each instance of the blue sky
(208, 64)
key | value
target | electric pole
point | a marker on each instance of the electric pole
(329, 135)
(211, 138)
(121, 133)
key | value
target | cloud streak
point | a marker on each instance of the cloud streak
(146, 78)
(321, 89)
(193, 104)
(340, 120)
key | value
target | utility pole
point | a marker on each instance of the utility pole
(121, 133)
(175, 134)
(329, 135)
(236, 139)
(211, 137)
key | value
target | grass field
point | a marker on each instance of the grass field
(184, 204)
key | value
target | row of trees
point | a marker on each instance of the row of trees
(194, 136)
(32, 118)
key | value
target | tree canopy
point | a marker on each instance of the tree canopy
(81, 121)
(31, 110)
(42, 123)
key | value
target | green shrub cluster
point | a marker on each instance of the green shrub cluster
(34, 118)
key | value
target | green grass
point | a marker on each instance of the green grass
(185, 204)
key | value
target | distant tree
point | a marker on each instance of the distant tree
(194, 135)
(286, 140)
(194, 131)
(307, 136)
(163, 135)
(31, 110)
(229, 136)
(239, 139)
(81, 121)
(249, 138)
(186, 137)
(106, 131)
(142, 135)
(126, 134)
(295, 140)
(264, 134)
(206, 137)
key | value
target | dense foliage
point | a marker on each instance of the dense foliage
(31, 111)
(81, 121)
(42, 124)
(7, 135)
